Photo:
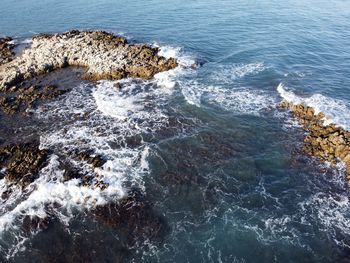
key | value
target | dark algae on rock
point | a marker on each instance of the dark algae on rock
(20, 100)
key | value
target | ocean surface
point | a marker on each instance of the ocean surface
(217, 159)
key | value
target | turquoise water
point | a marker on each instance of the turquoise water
(229, 176)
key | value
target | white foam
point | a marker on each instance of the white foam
(192, 92)
(336, 111)
(228, 73)
(112, 102)
(331, 211)
(186, 63)
(240, 101)
(244, 100)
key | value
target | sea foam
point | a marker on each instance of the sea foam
(236, 100)
(230, 73)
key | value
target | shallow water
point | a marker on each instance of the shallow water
(216, 158)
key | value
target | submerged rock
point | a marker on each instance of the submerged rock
(105, 55)
(33, 223)
(325, 141)
(6, 55)
(22, 162)
(133, 218)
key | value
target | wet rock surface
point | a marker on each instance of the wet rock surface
(21, 163)
(6, 54)
(105, 56)
(327, 142)
(89, 156)
(24, 99)
(31, 94)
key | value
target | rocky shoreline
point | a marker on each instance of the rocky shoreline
(105, 56)
(327, 142)
(23, 86)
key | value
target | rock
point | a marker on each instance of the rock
(22, 162)
(105, 56)
(6, 55)
(327, 142)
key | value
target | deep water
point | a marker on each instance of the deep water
(218, 160)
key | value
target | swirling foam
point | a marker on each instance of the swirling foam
(229, 73)
(239, 101)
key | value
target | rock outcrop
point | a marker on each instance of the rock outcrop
(105, 56)
(6, 55)
(327, 142)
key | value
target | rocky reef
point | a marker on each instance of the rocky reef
(105, 56)
(6, 54)
(328, 142)
(22, 162)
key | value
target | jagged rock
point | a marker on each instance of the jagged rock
(22, 162)
(6, 55)
(105, 55)
(327, 142)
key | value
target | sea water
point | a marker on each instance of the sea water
(217, 159)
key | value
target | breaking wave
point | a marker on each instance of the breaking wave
(336, 111)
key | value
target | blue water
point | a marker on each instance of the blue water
(247, 192)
